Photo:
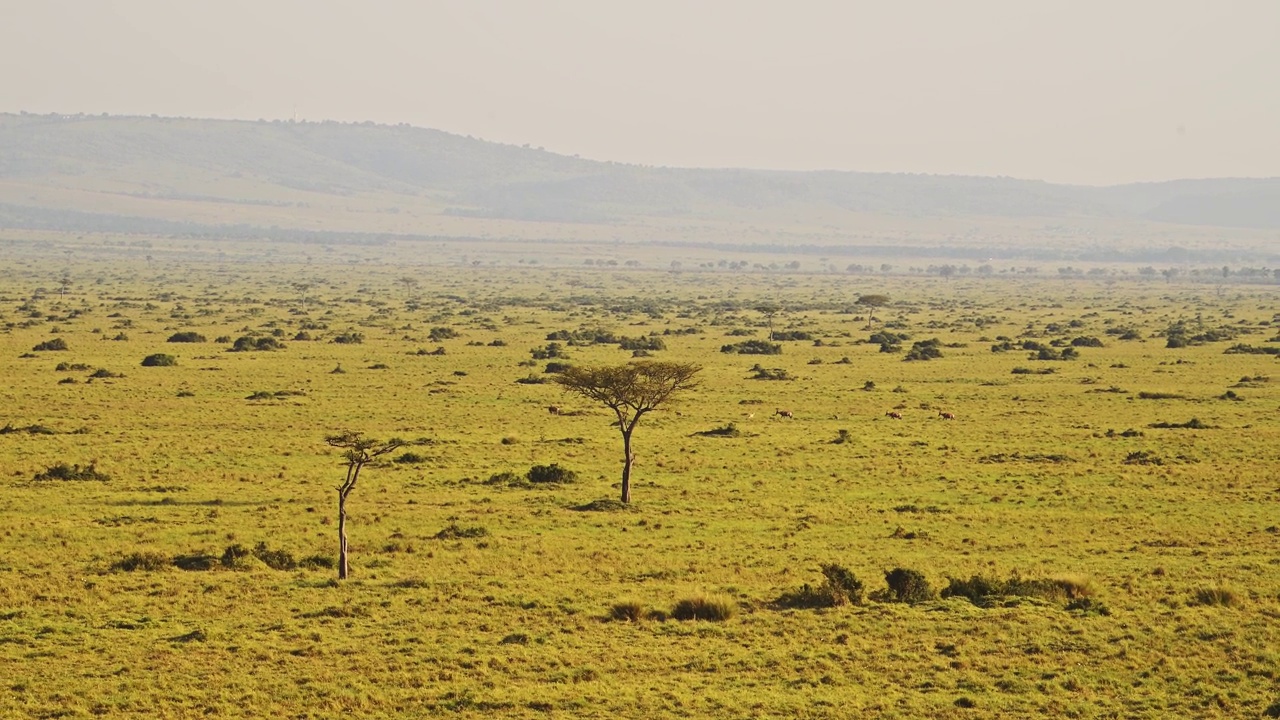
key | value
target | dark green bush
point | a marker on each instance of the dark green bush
(458, 532)
(146, 561)
(187, 337)
(907, 586)
(839, 587)
(196, 562)
(348, 338)
(274, 559)
(552, 473)
(924, 350)
(63, 471)
(54, 344)
(248, 343)
(753, 347)
(159, 360)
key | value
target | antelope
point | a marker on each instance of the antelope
(553, 409)
(894, 414)
(947, 415)
(784, 413)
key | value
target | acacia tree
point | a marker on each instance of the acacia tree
(357, 451)
(769, 310)
(630, 391)
(871, 302)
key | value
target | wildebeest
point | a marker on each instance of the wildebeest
(947, 415)
(553, 409)
(894, 414)
(784, 413)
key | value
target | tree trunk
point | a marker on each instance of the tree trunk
(626, 468)
(342, 536)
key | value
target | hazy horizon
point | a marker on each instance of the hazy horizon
(1071, 92)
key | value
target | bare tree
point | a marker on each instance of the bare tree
(630, 391)
(357, 451)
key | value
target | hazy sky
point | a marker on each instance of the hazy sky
(1085, 91)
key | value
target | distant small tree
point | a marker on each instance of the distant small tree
(630, 391)
(871, 302)
(410, 284)
(769, 310)
(357, 451)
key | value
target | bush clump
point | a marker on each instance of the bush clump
(924, 350)
(712, 609)
(839, 587)
(248, 343)
(187, 337)
(54, 344)
(753, 347)
(457, 532)
(145, 561)
(196, 562)
(907, 586)
(553, 473)
(348, 338)
(159, 360)
(274, 559)
(987, 591)
(63, 471)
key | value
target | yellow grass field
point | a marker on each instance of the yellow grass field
(1132, 493)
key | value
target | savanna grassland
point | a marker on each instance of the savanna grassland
(1104, 527)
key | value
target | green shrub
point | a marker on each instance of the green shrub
(54, 344)
(249, 343)
(763, 373)
(63, 471)
(753, 347)
(552, 473)
(196, 562)
(603, 505)
(713, 609)
(348, 338)
(159, 360)
(839, 587)
(238, 557)
(731, 431)
(146, 561)
(458, 532)
(924, 350)
(274, 559)
(442, 333)
(318, 562)
(410, 458)
(187, 337)
(907, 586)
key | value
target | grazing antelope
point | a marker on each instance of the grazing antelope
(784, 413)
(894, 414)
(947, 415)
(553, 409)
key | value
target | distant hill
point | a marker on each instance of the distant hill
(73, 171)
